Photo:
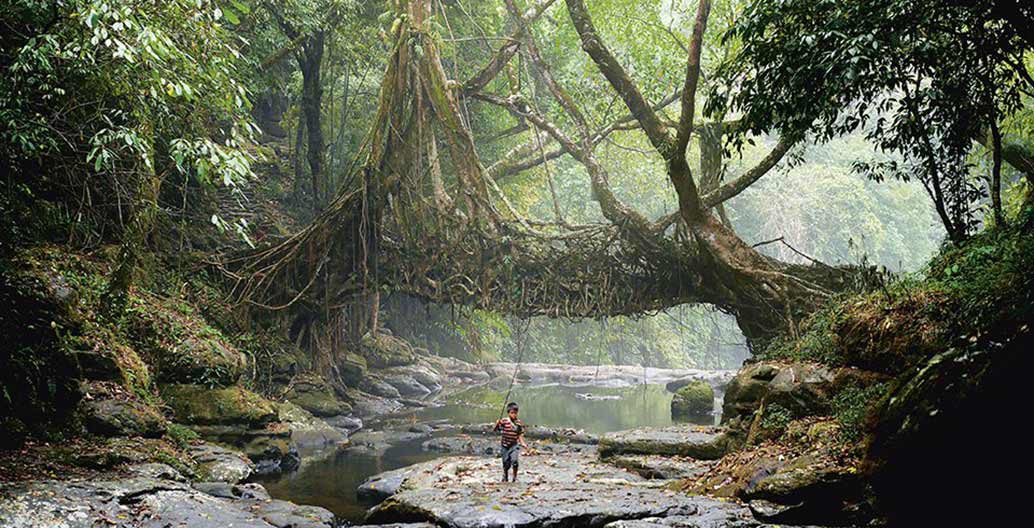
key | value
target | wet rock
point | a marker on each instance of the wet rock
(122, 417)
(381, 486)
(142, 501)
(421, 428)
(661, 467)
(407, 386)
(378, 387)
(567, 491)
(221, 464)
(312, 393)
(703, 443)
(308, 430)
(695, 399)
(420, 373)
(397, 525)
(346, 424)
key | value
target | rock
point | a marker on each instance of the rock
(378, 387)
(661, 467)
(199, 405)
(221, 464)
(396, 525)
(381, 486)
(604, 376)
(148, 502)
(596, 397)
(352, 369)
(383, 350)
(744, 393)
(347, 424)
(421, 373)
(489, 446)
(695, 399)
(421, 428)
(407, 386)
(308, 430)
(682, 440)
(312, 393)
(185, 348)
(122, 417)
(924, 447)
(569, 490)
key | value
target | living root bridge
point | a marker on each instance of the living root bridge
(399, 223)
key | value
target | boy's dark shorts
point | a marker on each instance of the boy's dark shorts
(511, 456)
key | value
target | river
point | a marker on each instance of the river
(329, 478)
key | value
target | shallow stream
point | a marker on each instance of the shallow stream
(330, 478)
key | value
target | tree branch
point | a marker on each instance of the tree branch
(618, 77)
(505, 52)
(734, 187)
(689, 89)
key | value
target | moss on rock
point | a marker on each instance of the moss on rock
(384, 350)
(182, 347)
(693, 400)
(312, 393)
(200, 405)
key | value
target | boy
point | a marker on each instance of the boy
(512, 439)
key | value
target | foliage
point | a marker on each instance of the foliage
(851, 406)
(95, 93)
(922, 78)
(181, 435)
(775, 418)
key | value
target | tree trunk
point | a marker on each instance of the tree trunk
(310, 62)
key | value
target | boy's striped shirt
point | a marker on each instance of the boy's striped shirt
(511, 431)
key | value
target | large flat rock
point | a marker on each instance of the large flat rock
(567, 490)
(704, 443)
(144, 499)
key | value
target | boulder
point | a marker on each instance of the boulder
(695, 399)
(312, 393)
(122, 417)
(352, 369)
(308, 430)
(704, 443)
(221, 464)
(180, 344)
(200, 405)
(420, 372)
(383, 350)
(109, 409)
(381, 486)
(378, 387)
(406, 385)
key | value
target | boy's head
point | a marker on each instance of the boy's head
(512, 410)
